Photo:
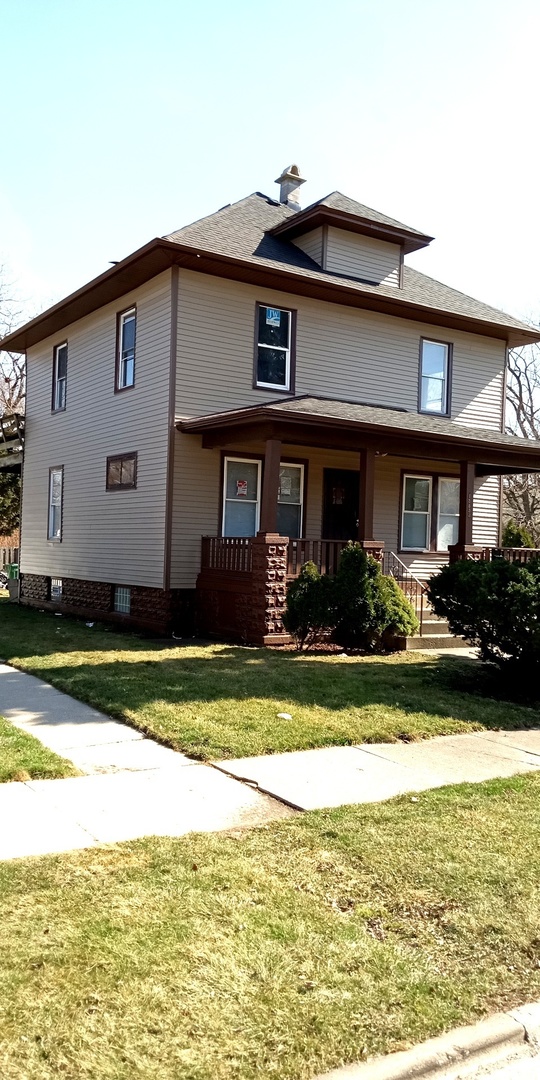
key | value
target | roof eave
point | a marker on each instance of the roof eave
(325, 215)
(160, 254)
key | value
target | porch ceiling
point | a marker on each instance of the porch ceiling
(336, 424)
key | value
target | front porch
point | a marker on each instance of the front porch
(414, 491)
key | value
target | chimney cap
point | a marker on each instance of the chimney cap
(291, 172)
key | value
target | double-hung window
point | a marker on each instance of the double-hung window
(274, 348)
(125, 359)
(430, 515)
(435, 364)
(56, 489)
(242, 498)
(59, 388)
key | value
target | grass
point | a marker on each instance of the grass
(24, 758)
(278, 952)
(219, 701)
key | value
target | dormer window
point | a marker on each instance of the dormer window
(274, 336)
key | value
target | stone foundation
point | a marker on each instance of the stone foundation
(156, 610)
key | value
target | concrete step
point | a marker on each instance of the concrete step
(433, 641)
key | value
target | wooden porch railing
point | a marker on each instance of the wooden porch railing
(324, 553)
(228, 553)
(519, 555)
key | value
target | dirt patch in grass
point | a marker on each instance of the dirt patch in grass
(280, 952)
(219, 701)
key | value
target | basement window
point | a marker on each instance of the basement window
(56, 588)
(122, 600)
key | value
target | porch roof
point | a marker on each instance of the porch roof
(338, 424)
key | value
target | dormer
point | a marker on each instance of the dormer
(349, 239)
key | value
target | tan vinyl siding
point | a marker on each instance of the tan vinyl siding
(362, 257)
(197, 500)
(312, 244)
(340, 352)
(486, 510)
(107, 536)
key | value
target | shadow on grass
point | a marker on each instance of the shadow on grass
(228, 698)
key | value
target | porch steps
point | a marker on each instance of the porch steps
(435, 635)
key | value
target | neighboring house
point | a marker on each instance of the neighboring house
(265, 373)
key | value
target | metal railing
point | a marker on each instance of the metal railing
(414, 589)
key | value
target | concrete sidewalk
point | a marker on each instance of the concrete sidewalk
(134, 787)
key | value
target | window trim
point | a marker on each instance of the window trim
(253, 460)
(133, 455)
(120, 317)
(291, 352)
(237, 455)
(54, 407)
(448, 381)
(55, 539)
(435, 477)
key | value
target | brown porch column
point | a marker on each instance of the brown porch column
(366, 498)
(466, 493)
(270, 486)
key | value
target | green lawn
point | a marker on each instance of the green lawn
(277, 952)
(219, 701)
(23, 758)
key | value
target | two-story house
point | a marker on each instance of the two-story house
(251, 391)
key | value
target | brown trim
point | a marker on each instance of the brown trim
(292, 350)
(159, 255)
(270, 486)
(466, 501)
(450, 361)
(54, 408)
(324, 252)
(171, 441)
(319, 214)
(366, 495)
(401, 265)
(435, 478)
(55, 539)
(131, 456)
(504, 389)
(125, 311)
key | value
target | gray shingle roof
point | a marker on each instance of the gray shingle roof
(240, 231)
(371, 416)
(337, 201)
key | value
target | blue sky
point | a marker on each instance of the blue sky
(125, 120)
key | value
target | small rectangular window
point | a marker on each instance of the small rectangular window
(122, 472)
(290, 500)
(434, 376)
(122, 600)
(56, 588)
(274, 347)
(56, 486)
(125, 359)
(59, 377)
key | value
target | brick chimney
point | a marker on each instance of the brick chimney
(289, 182)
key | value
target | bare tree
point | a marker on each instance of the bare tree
(12, 365)
(522, 491)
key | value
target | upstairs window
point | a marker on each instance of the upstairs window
(125, 359)
(59, 377)
(122, 472)
(56, 489)
(435, 362)
(274, 350)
